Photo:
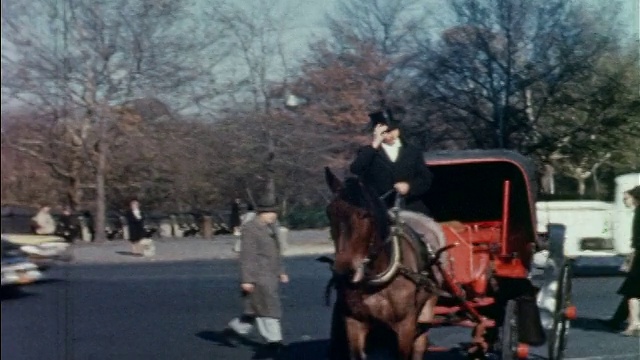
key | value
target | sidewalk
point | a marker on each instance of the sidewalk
(303, 242)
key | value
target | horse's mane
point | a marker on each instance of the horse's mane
(358, 195)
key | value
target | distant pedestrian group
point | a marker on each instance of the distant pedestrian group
(67, 226)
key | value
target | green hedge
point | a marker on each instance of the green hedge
(307, 218)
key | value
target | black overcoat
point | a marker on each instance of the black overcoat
(376, 170)
(136, 226)
(261, 264)
(234, 218)
(631, 285)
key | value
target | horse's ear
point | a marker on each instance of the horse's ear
(334, 183)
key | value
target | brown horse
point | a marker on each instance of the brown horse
(378, 275)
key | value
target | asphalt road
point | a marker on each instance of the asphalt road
(176, 310)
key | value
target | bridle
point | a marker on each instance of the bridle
(393, 238)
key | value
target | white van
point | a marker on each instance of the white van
(594, 228)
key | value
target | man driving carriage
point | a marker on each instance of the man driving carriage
(390, 164)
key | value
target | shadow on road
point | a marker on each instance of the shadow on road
(219, 338)
(14, 293)
(128, 253)
(600, 271)
(47, 281)
(591, 324)
(317, 350)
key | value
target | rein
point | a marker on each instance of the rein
(373, 252)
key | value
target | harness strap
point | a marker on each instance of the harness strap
(327, 290)
(422, 279)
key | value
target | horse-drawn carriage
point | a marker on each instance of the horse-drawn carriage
(480, 276)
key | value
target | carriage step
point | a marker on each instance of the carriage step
(483, 301)
(478, 302)
(471, 324)
(462, 322)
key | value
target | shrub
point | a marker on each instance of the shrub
(307, 218)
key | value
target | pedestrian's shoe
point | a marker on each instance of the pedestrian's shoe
(634, 318)
(271, 350)
(632, 331)
(230, 338)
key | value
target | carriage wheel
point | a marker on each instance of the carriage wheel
(509, 334)
(558, 336)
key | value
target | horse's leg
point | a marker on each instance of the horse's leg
(338, 342)
(421, 343)
(406, 332)
(357, 334)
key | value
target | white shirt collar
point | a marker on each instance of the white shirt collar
(392, 150)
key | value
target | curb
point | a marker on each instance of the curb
(84, 256)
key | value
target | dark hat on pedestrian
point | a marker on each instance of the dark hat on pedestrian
(384, 117)
(635, 192)
(267, 203)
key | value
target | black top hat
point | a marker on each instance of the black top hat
(385, 118)
(267, 203)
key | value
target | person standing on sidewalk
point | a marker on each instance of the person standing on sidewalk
(234, 218)
(68, 227)
(43, 223)
(261, 269)
(135, 223)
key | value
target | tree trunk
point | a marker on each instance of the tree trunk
(548, 180)
(582, 186)
(101, 197)
(596, 183)
(271, 182)
(73, 193)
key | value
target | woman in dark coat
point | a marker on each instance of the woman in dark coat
(68, 225)
(234, 219)
(135, 224)
(630, 288)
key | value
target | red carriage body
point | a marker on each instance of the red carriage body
(485, 202)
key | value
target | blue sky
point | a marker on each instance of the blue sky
(307, 17)
(304, 20)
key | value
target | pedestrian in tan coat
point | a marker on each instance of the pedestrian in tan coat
(261, 271)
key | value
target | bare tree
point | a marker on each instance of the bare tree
(391, 26)
(259, 62)
(594, 121)
(25, 180)
(497, 70)
(342, 88)
(85, 57)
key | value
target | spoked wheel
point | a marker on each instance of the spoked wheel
(564, 311)
(509, 336)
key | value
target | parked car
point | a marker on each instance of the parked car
(16, 269)
(42, 250)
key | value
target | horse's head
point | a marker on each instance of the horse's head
(356, 221)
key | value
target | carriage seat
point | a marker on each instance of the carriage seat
(469, 261)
